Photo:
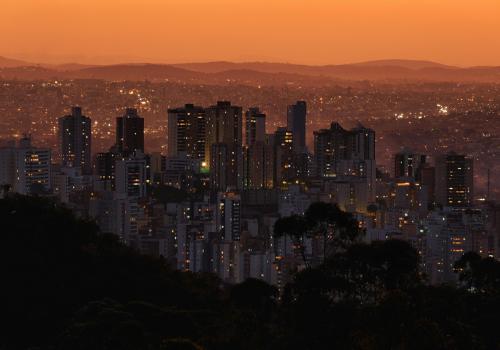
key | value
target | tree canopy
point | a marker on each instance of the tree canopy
(65, 285)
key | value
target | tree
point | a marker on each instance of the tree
(337, 227)
(255, 295)
(479, 275)
(53, 265)
(179, 344)
(295, 227)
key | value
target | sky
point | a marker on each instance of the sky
(457, 32)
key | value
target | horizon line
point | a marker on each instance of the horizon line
(132, 60)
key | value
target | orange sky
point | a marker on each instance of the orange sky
(462, 32)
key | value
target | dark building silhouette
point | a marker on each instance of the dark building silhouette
(408, 164)
(428, 179)
(255, 126)
(224, 129)
(186, 132)
(105, 168)
(76, 140)
(348, 154)
(296, 123)
(130, 132)
(454, 180)
(283, 157)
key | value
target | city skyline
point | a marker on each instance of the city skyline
(250, 174)
(318, 32)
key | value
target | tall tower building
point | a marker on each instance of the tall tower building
(76, 139)
(219, 167)
(454, 180)
(131, 176)
(228, 216)
(259, 165)
(186, 132)
(255, 126)
(296, 123)
(408, 164)
(347, 155)
(283, 157)
(258, 174)
(223, 124)
(224, 129)
(130, 132)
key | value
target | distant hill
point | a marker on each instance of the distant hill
(387, 70)
(215, 67)
(30, 73)
(10, 63)
(254, 72)
(69, 66)
(153, 72)
(410, 64)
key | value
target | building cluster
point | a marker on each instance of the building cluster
(210, 203)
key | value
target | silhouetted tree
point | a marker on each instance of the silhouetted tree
(296, 228)
(479, 275)
(338, 228)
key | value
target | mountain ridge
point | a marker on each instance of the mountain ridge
(217, 72)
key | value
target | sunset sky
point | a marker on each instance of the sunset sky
(460, 32)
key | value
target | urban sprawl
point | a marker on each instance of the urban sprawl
(210, 203)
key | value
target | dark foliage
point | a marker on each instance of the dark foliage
(66, 286)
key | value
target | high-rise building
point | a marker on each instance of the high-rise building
(228, 216)
(219, 167)
(186, 132)
(25, 168)
(223, 125)
(337, 150)
(224, 129)
(76, 139)
(255, 126)
(259, 153)
(408, 164)
(130, 132)
(454, 180)
(284, 170)
(104, 168)
(259, 166)
(346, 155)
(296, 123)
(131, 176)
(427, 178)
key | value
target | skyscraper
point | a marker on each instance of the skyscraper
(105, 168)
(255, 126)
(130, 132)
(408, 164)
(283, 157)
(186, 132)
(257, 151)
(259, 165)
(218, 167)
(224, 124)
(454, 180)
(346, 155)
(131, 176)
(228, 216)
(224, 128)
(296, 123)
(76, 139)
